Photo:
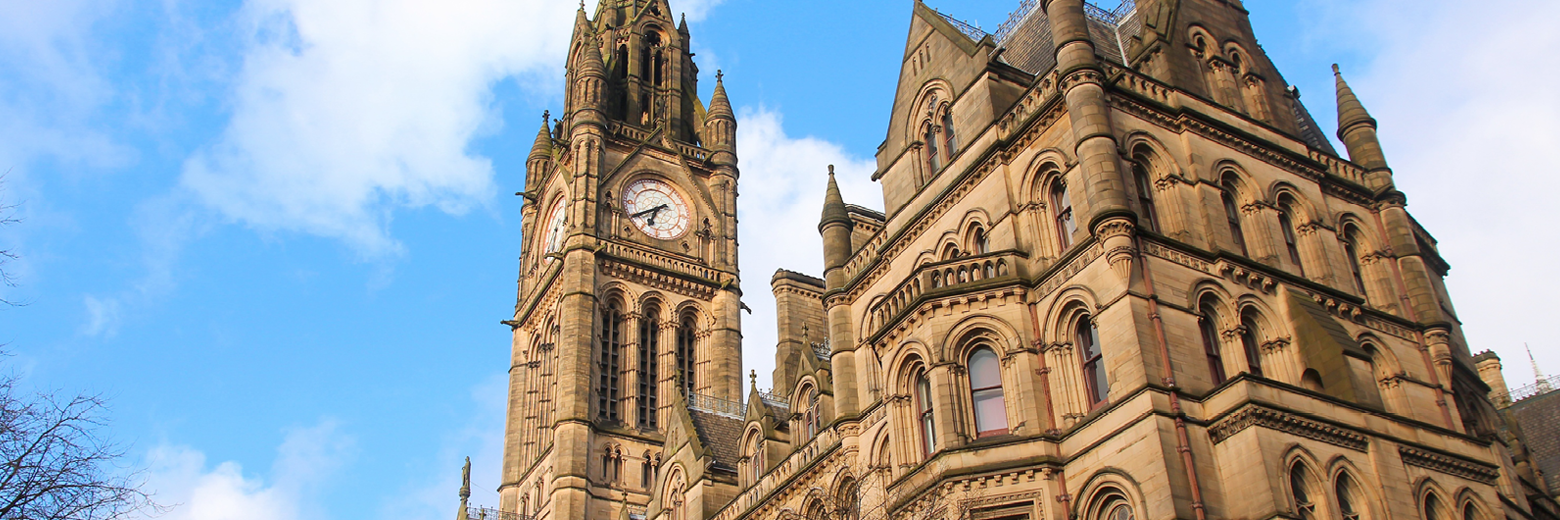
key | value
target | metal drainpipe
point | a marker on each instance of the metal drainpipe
(1045, 371)
(1419, 335)
(1182, 440)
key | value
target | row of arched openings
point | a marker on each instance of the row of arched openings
(610, 354)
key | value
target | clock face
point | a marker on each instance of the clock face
(656, 208)
(555, 229)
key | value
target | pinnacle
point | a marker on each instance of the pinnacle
(543, 144)
(1350, 111)
(833, 203)
(720, 105)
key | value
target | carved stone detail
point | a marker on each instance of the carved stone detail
(1263, 417)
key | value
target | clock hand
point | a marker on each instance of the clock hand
(650, 212)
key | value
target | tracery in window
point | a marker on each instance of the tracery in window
(986, 392)
(1348, 503)
(1300, 488)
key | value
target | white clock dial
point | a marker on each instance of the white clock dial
(656, 208)
(553, 239)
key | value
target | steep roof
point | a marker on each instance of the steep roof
(720, 434)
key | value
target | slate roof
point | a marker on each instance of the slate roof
(721, 434)
(1025, 42)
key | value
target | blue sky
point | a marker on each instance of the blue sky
(280, 235)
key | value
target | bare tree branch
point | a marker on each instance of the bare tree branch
(7, 217)
(56, 463)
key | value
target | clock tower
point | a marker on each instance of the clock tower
(629, 292)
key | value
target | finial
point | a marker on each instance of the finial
(546, 115)
(719, 74)
(1335, 69)
(753, 377)
(831, 170)
(465, 480)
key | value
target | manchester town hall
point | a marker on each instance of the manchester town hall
(1121, 275)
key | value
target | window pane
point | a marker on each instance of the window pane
(985, 370)
(990, 412)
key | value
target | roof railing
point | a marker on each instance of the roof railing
(969, 29)
(1540, 387)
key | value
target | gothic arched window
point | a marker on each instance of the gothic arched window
(1470, 512)
(923, 409)
(1248, 342)
(1286, 225)
(756, 460)
(932, 162)
(1145, 189)
(609, 365)
(1094, 378)
(1062, 210)
(686, 356)
(950, 143)
(1351, 250)
(980, 244)
(1348, 503)
(649, 348)
(850, 500)
(1232, 216)
(986, 392)
(646, 473)
(1433, 508)
(1300, 487)
(1210, 339)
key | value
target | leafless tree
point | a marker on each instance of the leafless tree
(56, 464)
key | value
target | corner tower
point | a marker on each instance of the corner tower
(628, 293)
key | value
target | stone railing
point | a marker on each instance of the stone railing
(641, 256)
(939, 276)
(1340, 168)
(693, 152)
(777, 476)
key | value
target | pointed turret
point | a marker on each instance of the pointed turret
(541, 155)
(543, 146)
(720, 106)
(1358, 131)
(682, 27)
(835, 227)
(720, 126)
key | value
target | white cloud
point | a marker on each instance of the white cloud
(347, 110)
(1466, 99)
(695, 10)
(782, 186)
(305, 461)
(102, 316)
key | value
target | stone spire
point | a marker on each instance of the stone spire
(833, 205)
(1358, 131)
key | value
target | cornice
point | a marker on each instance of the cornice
(1253, 415)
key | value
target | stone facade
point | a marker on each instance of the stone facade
(1121, 275)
